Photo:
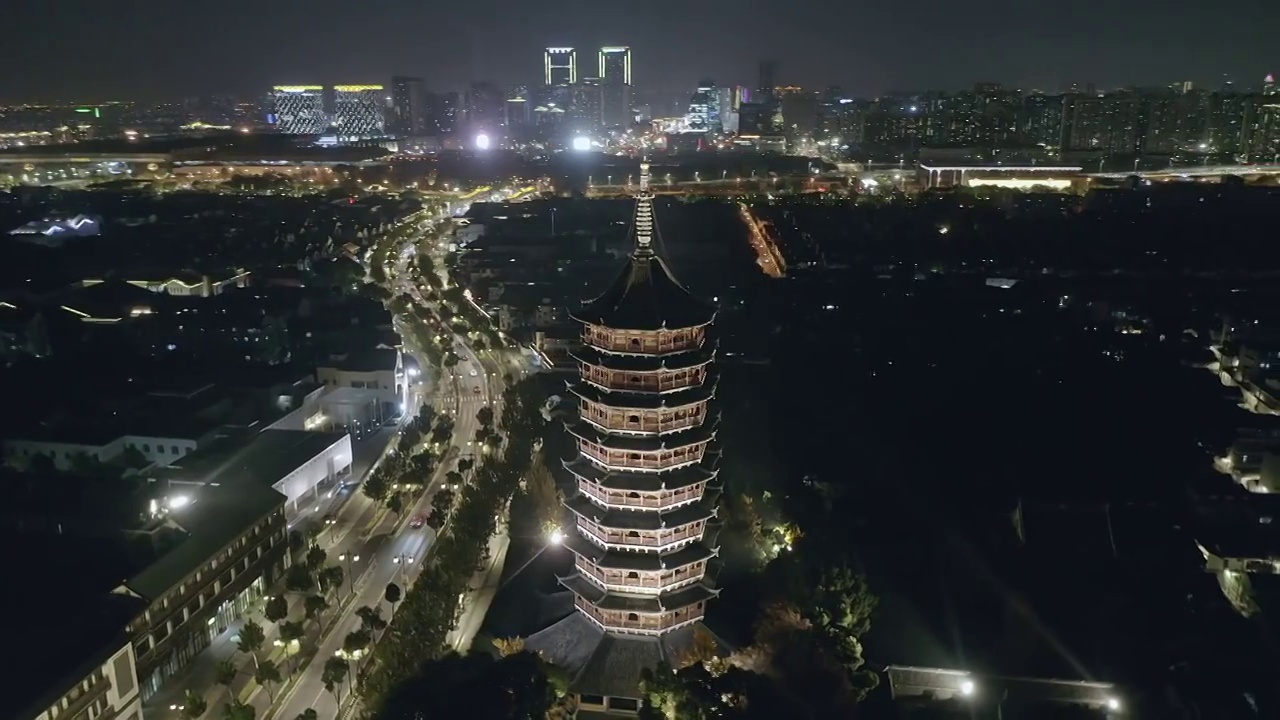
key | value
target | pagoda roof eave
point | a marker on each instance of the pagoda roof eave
(706, 432)
(651, 604)
(624, 399)
(682, 477)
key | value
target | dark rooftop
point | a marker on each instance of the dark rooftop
(646, 297)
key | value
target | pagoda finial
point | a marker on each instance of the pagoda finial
(644, 213)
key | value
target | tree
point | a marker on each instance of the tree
(453, 479)
(392, 595)
(465, 465)
(298, 579)
(333, 674)
(540, 488)
(291, 632)
(225, 675)
(509, 646)
(250, 640)
(307, 714)
(236, 710)
(193, 705)
(314, 605)
(395, 503)
(377, 485)
(484, 416)
(330, 578)
(267, 675)
(276, 609)
(297, 542)
(356, 641)
(316, 557)
(371, 619)
(703, 650)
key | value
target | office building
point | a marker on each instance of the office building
(560, 66)
(586, 110)
(358, 111)
(703, 114)
(615, 76)
(518, 108)
(615, 65)
(768, 79)
(408, 107)
(442, 113)
(298, 109)
(486, 111)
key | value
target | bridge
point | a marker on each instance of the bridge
(1203, 171)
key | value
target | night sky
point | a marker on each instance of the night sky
(90, 50)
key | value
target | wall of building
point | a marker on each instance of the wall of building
(328, 465)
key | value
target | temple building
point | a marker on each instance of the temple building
(645, 471)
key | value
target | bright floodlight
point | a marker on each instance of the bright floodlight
(482, 142)
(178, 501)
(1113, 704)
(966, 688)
(557, 537)
(581, 143)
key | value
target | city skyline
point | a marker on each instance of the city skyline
(867, 51)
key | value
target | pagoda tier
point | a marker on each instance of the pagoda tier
(645, 614)
(674, 360)
(620, 389)
(590, 474)
(618, 342)
(688, 437)
(646, 383)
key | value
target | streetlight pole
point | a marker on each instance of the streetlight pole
(350, 560)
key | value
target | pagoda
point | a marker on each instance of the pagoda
(644, 470)
(646, 463)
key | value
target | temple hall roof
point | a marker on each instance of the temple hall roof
(645, 297)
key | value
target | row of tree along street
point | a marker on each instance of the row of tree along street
(432, 607)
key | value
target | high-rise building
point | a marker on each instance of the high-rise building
(586, 105)
(615, 94)
(768, 79)
(358, 111)
(408, 106)
(298, 109)
(442, 113)
(615, 65)
(560, 66)
(646, 477)
(486, 111)
(518, 109)
(703, 114)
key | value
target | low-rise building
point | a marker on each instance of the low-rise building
(380, 370)
(96, 681)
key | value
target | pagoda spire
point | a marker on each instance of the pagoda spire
(644, 213)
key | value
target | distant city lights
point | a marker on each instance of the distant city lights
(482, 142)
(581, 144)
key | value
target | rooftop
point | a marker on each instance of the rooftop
(646, 296)
(647, 482)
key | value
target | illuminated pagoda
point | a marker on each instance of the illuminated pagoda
(645, 473)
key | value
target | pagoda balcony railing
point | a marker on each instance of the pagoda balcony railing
(642, 382)
(645, 426)
(645, 583)
(655, 461)
(636, 540)
(646, 344)
(640, 623)
(618, 498)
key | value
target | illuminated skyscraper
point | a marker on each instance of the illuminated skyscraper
(560, 66)
(615, 75)
(357, 110)
(298, 109)
(615, 65)
(485, 108)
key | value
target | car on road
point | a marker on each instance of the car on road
(417, 522)
(473, 372)
(476, 389)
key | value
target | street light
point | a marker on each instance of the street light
(350, 560)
